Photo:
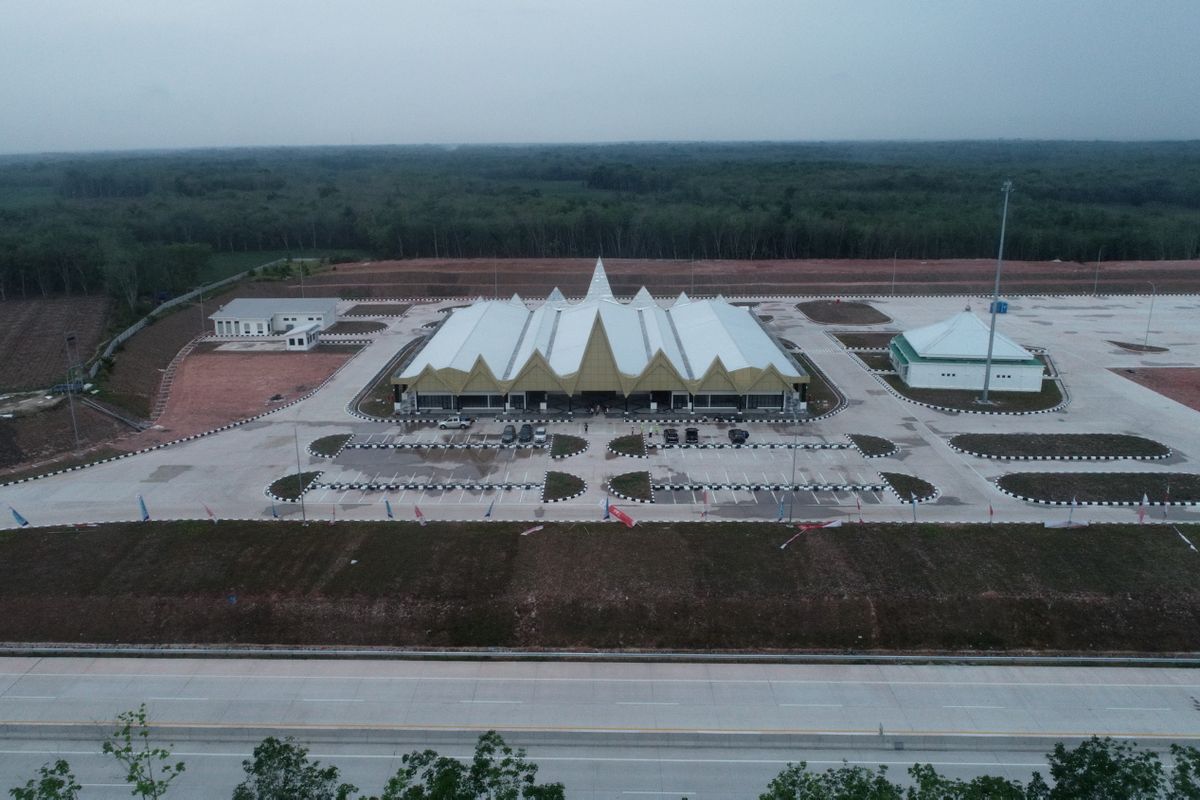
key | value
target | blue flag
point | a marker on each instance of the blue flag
(142, 507)
(21, 521)
(274, 511)
(488, 515)
(606, 509)
(388, 506)
(780, 519)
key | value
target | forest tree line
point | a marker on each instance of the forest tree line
(137, 225)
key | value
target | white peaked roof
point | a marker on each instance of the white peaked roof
(963, 336)
(692, 334)
(261, 307)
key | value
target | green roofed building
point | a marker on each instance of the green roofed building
(693, 355)
(952, 354)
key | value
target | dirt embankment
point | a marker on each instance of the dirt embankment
(721, 585)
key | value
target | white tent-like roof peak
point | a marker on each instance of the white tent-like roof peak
(555, 296)
(599, 289)
(963, 336)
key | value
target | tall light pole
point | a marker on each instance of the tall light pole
(68, 337)
(1153, 291)
(1096, 282)
(894, 272)
(987, 368)
(299, 480)
(795, 450)
(202, 326)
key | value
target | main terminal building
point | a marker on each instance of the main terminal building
(694, 355)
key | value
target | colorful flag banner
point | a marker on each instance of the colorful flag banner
(274, 511)
(1142, 509)
(21, 521)
(991, 512)
(488, 514)
(534, 529)
(858, 502)
(780, 517)
(142, 508)
(420, 516)
(210, 513)
(622, 516)
(607, 506)
(388, 507)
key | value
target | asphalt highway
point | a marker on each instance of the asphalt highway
(607, 730)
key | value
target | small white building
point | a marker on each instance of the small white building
(271, 316)
(952, 354)
(303, 337)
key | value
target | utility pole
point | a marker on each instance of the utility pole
(1153, 292)
(202, 326)
(1096, 282)
(987, 368)
(894, 272)
(299, 487)
(795, 450)
(69, 337)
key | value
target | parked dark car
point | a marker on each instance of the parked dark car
(670, 436)
(738, 435)
(526, 434)
(691, 435)
(509, 436)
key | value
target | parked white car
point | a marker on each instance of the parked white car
(455, 422)
(539, 435)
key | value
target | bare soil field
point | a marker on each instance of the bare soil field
(213, 388)
(838, 312)
(32, 354)
(355, 326)
(1181, 384)
(536, 277)
(38, 437)
(716, 586)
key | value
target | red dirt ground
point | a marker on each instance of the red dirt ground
(215, 388)
(31, 337)
(536, 277)
(1181, 384)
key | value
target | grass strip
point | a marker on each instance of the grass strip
(965, 400)
(561, 485)
(633, 444)
(635, 485)
(563, 445)
(873, 445)
(290, 487)
(329, 446)
(908, 485)
(1128, 487)
(1082, 445)
(847, 312)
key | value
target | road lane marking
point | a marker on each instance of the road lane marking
(972, 706)
(330, 700)
(28, 697)
(198, 699)
(643, 703)
(810, 705)
(1134, 708)
(504, 702)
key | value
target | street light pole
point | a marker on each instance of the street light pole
(987, 368)
(68, 337)
(795, 450)
(894, 272)
(299, 487)
(1149, 316)
(1096, 282)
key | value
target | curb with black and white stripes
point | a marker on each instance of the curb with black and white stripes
(895, 449)
(926, 499)
(546, 482)
(1126, 503)
(609, 488)
(994, 457)
(752, 446)
(444, 446)
(630, 455)
(381, 486)
(774, 487)
(278, 499)
(338, 452)
(1065, 402)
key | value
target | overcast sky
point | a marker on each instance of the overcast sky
(119, 74)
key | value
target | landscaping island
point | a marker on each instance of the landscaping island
(966, 400)
(837, 312)
(1059, 445)
(1110, 487)
(634, 485)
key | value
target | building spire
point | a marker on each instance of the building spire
(599, 289)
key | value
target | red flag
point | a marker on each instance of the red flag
(420, 516)
(210, 513)
(991, 512)
(621, 515)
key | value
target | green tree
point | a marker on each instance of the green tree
(146, 767)
(929, 785)
(796, 782)
(1185, 777)
(496, 772)
(280, 770)
(55, 782)
(1102, 769)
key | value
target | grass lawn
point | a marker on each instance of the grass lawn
(1112, 486)
(329, 446)
(713, 586)
(876, 360)
(908, 485)
(633, 484)
(632, 445)
(355, 326)
(1058, 444)
(291, 486)
(962, 399)
(561, 485)
(1139, 348)
(873, 445)
(562, 444)
(822, 397)
(847, 312)
(873, 339)
(377, 310)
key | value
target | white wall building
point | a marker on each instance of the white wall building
(303, 337)
(952, 354)
(270, 316)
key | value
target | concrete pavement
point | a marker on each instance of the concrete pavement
(607, 730)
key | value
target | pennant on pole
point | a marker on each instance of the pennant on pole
(142, 509)
(388, 507)
(704, 499)
(622, 516)
(1167, 501)
(420, 516)
(805, 527)
(1142, 509)
(21, 521)
(210, 513)
(274, 511)
(780, 517)
(488, 514)
(858, 502)
(607, 507)
(332, 514)
(991, 512)
(534, 529)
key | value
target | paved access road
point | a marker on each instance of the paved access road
(607, 730)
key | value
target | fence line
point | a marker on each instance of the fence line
(124, 335)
